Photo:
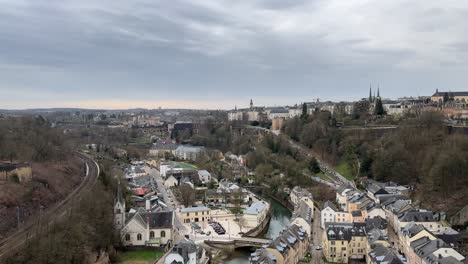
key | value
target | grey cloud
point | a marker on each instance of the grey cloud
(236, 49)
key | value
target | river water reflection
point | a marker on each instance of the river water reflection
(279, 220)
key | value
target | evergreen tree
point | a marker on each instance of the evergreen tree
(446, 97)
(304, 111)
(379, 110)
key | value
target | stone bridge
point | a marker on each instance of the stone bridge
(232, 243)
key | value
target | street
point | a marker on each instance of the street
(316, 238)
(171, 206)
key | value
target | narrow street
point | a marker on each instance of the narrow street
(316, 238)
(181, 230)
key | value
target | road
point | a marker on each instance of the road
(12, 243)
(316, 238)
(171, 206)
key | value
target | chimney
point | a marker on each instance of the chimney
(148, 205)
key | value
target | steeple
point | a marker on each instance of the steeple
(119, 209)
(378, 91)
(251, 104)
(370, 93)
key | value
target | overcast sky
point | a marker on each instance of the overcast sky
(221, 53)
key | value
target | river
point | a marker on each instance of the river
(279, 220)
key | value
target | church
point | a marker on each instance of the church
(141, 227)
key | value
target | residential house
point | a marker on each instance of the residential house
(341, 196)
(185, 252)
(374, 189)
(171, 181)
(412, 232)
(342, 241)
(331, 214)
(434, 252)
(195, 214)
(204, 176)
(382, 254)
(423, 217)
(297, 193)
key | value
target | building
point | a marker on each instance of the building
(422, 217)
(382, 254)
(184, 252)
(342, 241)
(186, 152)
(171, 181)
(277, 112)
(297, 193)
(16, 172)
(331, 214)
(438, 97)
(255, 214)
(195, 214)
(163, 148)
(341, 196)
(426, 251)
(204, 176)
(288, 248)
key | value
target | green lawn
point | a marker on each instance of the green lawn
(323, 176)
(140, 256)
(187, 165)
(344, 169)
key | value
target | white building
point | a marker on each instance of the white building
(186, 152)
(171, 181)
(255, 214)
(204, 176)
(185, 252)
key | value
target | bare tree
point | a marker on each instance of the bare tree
(187, 194)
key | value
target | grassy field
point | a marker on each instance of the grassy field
(323, 176)
(187, 165)
(139, 257)
(344, 169)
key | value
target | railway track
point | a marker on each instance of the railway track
(13, 242)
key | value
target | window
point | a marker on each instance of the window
(163, 233)
(118, 211)
(127, 237)
(152, 234)
(187, 214)
(139, 237)
(342, 242)
(333, 242)
(196, 213)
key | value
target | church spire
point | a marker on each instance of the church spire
(370, 93)
(251, 104)
(378, 91)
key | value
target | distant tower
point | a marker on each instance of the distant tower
(119, 209)
(251, 104)
(370, 93)
(235, 108)
(378, 91)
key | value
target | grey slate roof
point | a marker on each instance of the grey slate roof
(417, 216)
(376, 222)
(384, 255)
(184, 248)
(343, 231)
(331, 205)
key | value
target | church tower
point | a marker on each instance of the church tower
(119, 209)
(251, 104)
